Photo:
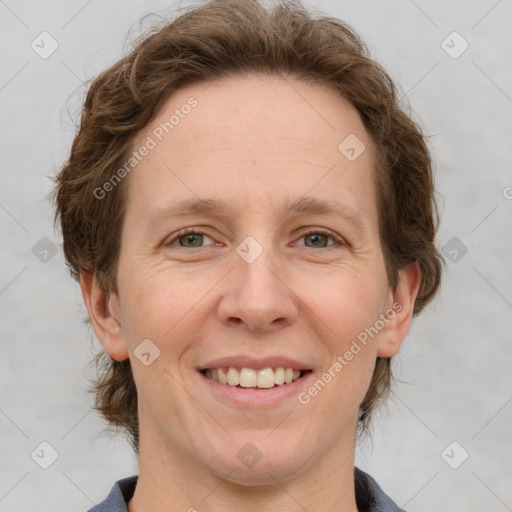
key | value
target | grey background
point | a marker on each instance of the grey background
(454, 368)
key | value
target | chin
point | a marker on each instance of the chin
(259, 464)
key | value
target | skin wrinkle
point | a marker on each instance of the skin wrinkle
(305, 302)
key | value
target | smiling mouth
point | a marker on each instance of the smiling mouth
(264, 378)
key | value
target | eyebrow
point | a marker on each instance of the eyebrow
(219, 208)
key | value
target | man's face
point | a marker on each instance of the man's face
(248, 284)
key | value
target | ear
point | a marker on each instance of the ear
(104, 316)
(400, 311)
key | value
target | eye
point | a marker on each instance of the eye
(318, 238)
(188, 238)
(315, 239)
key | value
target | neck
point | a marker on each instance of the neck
(170, 480)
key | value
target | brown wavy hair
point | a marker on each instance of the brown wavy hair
(227, 38)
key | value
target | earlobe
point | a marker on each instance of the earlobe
(104, 316)
(400, 312)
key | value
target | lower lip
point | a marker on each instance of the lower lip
(255, 398)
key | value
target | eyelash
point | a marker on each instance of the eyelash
(308, 231)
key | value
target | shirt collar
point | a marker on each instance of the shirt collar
(369, 496)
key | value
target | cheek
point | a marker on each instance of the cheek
(166, 312)
(347, 302)
(341, 385)
(162, 304)
(348, 308)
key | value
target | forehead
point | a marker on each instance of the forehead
(253, 136)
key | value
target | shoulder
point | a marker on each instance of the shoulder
(370, 497)
(120, 494)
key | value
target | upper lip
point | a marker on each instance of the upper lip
(256, 363)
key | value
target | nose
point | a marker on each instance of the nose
(258, 295)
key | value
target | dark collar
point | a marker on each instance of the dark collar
(369, 496)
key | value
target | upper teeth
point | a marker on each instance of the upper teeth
(251, 378)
